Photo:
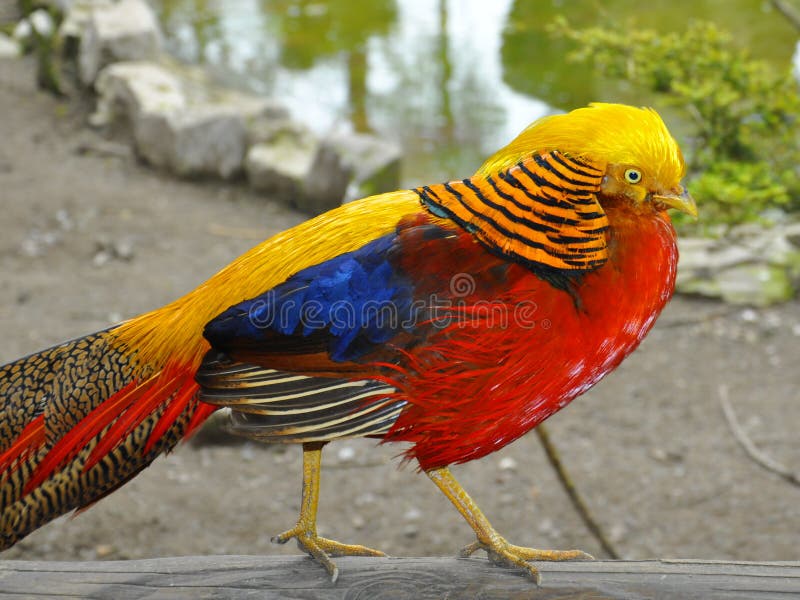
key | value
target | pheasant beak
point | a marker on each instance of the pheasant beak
(680, 200)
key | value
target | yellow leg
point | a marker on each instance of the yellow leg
(305, 531)
(499, 550)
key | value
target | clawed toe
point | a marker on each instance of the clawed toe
(322, 548)
(503, 554)
(499, 550)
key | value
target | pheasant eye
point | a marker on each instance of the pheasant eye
(633, 176)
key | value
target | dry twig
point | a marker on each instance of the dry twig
(758, 456)
(566, 481)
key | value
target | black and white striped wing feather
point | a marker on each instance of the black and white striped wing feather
(276, 406)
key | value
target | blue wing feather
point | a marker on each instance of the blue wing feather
(359, 298)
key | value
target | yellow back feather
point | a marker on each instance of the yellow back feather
(602, 134)
(174, 332)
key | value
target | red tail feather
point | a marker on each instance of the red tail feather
(147, 401)
(123, 412)
(184, 395)
(76, 438)
(31, 438)
(201, 413)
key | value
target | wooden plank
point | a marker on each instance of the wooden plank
(299, 578)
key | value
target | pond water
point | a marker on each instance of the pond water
(451, 80)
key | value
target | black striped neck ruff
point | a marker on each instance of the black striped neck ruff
(542, 211)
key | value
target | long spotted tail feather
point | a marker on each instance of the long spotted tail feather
(79, 420)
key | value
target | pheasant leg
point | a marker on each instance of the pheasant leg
(499, 550)
(305, 531)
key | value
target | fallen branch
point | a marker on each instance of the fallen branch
(759, 457)
(577, 501)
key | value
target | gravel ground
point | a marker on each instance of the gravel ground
(89, 236)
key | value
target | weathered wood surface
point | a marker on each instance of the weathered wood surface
(383, 578)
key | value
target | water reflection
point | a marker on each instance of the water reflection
(450, 79)
(310, 32)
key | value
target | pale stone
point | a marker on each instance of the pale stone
(9, 48)
(197, 141)
(326, 183)
(168, 132)
(130, 90)
(507, 463)
(22, 30)
(127, 30)
(374, 163)
(348, 166)
(277, 125)
(280, 168)
(77, 15)
(256, 110)
(42, 22)
(750, 265)
(757, 285)
(792, 234)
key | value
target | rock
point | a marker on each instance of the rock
(260, 114)
(280, 168)
(411, 531)
(9, 48)
(42, 23)
(77, 15)
(107, 250)
(37, 242)
(771, 245)
(412, 514)
(507, 463)
(348, 166)
(23, 30)
(104, 551)
(346, 454)
(326, 182)
(751, 264)
(757, 285)
(280, 155)
(705, 260)
(196, 141)
(127, 30)
(132, 90)
(752, 284)
(276, 125)
(792, 234)
(374, 163)
(188, 139)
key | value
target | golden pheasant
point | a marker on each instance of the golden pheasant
(455, 317)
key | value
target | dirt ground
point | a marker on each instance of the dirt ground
(89, 236)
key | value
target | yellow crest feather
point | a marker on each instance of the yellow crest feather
(602, 134)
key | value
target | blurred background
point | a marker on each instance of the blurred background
(452, 80)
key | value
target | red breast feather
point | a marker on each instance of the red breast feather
(481, 383)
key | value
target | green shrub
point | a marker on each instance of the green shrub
(743, 149)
